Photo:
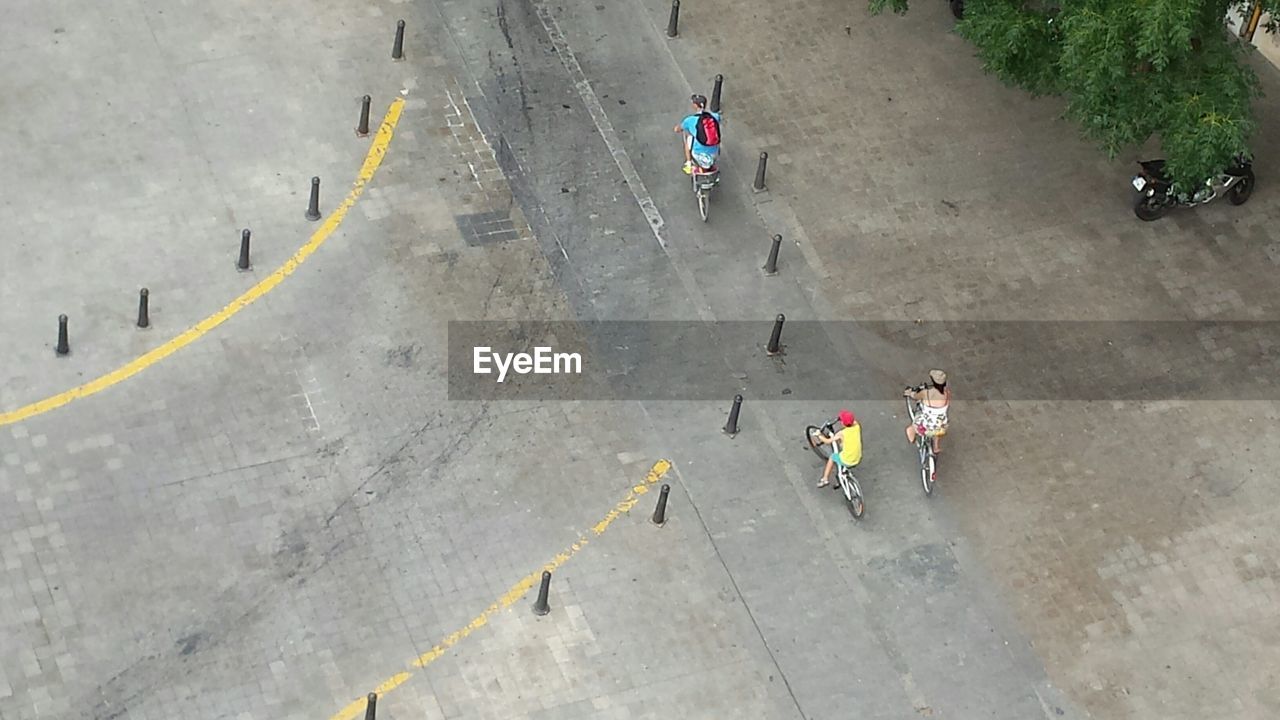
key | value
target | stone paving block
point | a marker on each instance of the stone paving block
(200, 506)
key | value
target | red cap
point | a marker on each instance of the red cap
(847, 419)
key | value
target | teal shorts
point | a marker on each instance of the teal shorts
(839, 461)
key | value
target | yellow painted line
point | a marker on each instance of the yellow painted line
(371, 162)
(357, 707)
(517, 591)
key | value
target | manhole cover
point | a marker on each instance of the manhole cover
(486, 228)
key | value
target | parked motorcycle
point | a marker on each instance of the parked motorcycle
(1155, 190)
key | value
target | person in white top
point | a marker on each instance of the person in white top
(934, 399)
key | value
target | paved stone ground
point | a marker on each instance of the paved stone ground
(281, 516)
(139, 169)
(1131, 536)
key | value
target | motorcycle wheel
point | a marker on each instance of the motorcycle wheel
(1243, 188)
(957, 9)
(1148, 209)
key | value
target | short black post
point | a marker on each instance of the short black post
(243, 262)
(371, 707)
(660, 512)
(758, 185)
(63, 346)
(363, 128)
(541, 607)
(771, 265)
(673, 24)
(715, 94)
(397, 50)
(775, 338)
(144, 317)
(731, 427)
(313, 208)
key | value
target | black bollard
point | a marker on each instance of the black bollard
(775, 338)
(660, 513)
(715, 94)
(758, 185)
(541, 607)
(313, 208)
(771, 265)
(397, 50)
(731, 427)
(144, 317)
(243, 262)
(673, 24)
(371, 707)
(63, 346)
(363, 128)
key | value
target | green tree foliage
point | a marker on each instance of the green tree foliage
(1128, 69)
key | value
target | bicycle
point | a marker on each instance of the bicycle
(703, 181)
(846, 482)
(924, 445)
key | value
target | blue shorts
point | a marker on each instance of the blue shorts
(840, 461)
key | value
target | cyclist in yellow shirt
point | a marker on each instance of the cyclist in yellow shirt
(846, 446)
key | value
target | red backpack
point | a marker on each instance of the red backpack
(708, 130)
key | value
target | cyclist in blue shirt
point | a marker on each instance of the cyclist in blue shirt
(701, 136)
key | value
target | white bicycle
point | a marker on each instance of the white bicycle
(704, 181)
(924, 445)
(847, 483)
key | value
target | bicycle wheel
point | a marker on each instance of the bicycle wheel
(927, 466)
(853, 495)
(819, 448)
(702, 204)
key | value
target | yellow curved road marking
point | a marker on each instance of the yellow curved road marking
(371, 162)
(517, 591)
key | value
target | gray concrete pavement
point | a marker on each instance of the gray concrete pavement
(286, 513)
(139, 168)
(731, 285)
